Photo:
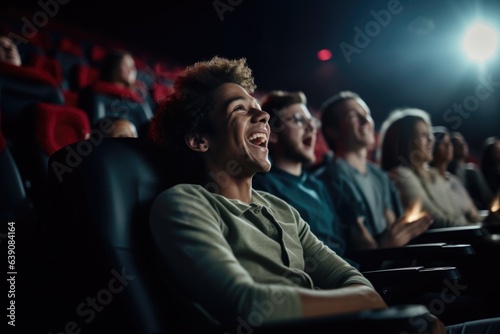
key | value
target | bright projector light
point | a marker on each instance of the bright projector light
(480, 42)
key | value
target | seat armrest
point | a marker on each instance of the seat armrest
(420, 274)
(403, 285)
(419, 253)
(453, 235)
(395, 319)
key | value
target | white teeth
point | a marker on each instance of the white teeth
(257, 135)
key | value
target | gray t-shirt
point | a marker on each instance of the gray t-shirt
(377, 199)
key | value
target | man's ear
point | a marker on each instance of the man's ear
(197, 142)
(273, 137)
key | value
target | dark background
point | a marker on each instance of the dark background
(416, 60)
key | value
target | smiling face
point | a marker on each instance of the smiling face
(240, 133)
(297, 138)
(422, 144)
(444, 150)
(356, 126)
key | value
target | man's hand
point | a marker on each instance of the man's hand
(400, 232)
(361, 237)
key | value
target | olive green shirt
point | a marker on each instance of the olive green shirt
(243, 260)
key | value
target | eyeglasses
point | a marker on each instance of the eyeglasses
(300, 121)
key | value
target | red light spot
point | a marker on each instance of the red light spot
(324, 55)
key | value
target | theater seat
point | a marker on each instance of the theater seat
(55, 126)
(103, 99)
(15, 206)
(21, 88)
(58, 126)
(100, 206)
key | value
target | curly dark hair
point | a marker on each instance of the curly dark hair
(186, 110)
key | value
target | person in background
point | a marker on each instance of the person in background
(405, 153)
(291, 146)
(441, 156)
(9, 52)
(116, 127)
(364, 196)
(118, 67)
(469, 174)
(490, 164)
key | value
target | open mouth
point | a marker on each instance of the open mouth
(307, 141)
(258, 139)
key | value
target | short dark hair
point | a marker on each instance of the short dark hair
(439, 133)
(277, 100)
(185, 110)
(330, 117)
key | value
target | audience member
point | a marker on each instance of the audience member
(405, 152)
(117, 94)
(116, 127)
(9, 52)
(364, 196)
(490, 164)
(441, 156)
(118, 67)
(469, 173)
(291, 145)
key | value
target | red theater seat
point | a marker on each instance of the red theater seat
(58, 126)
(48, 65)
(21, 88)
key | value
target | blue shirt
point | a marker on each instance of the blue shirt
(310, 198)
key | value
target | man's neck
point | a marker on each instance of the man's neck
(355, 158)
(230, 186)
(292, 167)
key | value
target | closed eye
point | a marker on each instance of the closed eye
(239, 107)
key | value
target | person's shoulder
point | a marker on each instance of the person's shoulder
(182, 190)
(401, 173)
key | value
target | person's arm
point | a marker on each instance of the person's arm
(344, 288)
(400, 232)
(352, 298)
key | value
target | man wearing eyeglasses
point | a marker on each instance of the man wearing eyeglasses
(291, 147)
